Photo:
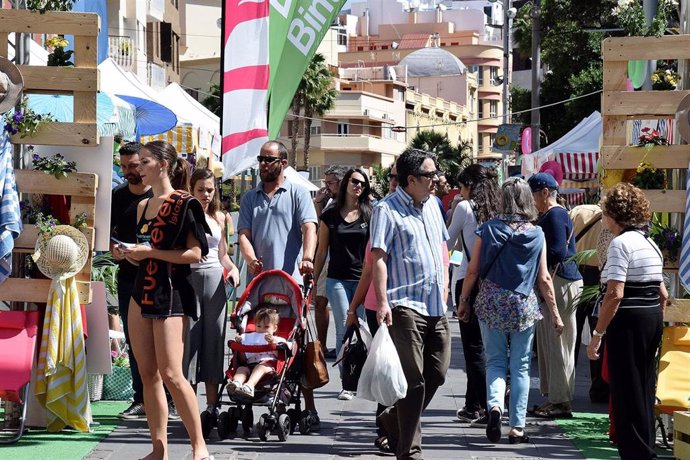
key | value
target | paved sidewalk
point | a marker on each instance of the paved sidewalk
(348, 428)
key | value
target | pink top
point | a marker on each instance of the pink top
(370, 302)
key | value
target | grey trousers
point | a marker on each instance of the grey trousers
(423, 345)
(557, 353)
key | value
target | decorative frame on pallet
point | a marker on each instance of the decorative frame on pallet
(81, 81)
(619, 105)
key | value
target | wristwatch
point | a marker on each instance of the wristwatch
(464, 299)
(596, 333)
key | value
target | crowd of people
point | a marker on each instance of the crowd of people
(501, 253)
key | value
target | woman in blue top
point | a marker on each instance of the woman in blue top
(557, 352)
(509, 256)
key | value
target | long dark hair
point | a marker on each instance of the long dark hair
(178, 168)
(483, 185)
(363, 202)
(204, 174)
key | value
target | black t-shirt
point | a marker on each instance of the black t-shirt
(123, 223)
(346, 245)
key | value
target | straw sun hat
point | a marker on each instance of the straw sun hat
(11, 85)
(62, 253)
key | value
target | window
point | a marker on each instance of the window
(493, 74)
(315, 130)
(492, 139)
(480, 75)
(342, 37)
(493, 108)
(480, 109)
(343, 129)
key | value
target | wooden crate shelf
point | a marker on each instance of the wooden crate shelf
(646, 48)
(82, 188)
(636, 105)
(81, 81)
(661, 156)
(678, 311)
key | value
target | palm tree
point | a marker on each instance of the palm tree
(319, 97)
(315, 96)
(450, 159)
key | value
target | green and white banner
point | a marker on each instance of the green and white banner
(296, 28)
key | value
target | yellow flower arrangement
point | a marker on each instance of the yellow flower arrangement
(665, 79)
(57, 42)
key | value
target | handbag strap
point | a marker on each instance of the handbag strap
(473, 206)
(588, 227)
(498, 253)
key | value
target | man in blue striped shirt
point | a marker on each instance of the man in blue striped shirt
(408, 242)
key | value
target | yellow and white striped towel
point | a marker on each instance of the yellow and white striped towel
(61, 383)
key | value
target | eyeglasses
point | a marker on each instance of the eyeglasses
(267, 159)
(392, 176)
(357, 182)
(428, 174)
(331, 182)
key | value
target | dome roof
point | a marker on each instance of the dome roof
(432, 62)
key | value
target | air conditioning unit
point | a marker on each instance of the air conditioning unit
(366, 112)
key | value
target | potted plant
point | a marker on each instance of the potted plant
(648, 177)
(669, 240)
(24, 121)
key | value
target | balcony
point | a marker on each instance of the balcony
(357, 143)
(155, 9)
(121, 50)
(155, 76)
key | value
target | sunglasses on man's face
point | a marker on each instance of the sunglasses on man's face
(267, 159)
(357, 182)
(428, 174)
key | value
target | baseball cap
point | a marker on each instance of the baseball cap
(541, 180)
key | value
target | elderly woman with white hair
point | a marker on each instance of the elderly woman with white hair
(509, 257)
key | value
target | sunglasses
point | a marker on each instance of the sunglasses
(392, 176)
(267, 159)
(356, 182)
(428, 174)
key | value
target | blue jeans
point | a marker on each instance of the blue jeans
(498, 359)
(339, 294)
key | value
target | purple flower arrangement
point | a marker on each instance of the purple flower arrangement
(24, 121)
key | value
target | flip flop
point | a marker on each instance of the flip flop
(535, 408)
(553, 412)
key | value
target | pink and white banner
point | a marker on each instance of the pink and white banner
(245, 83)
(578, 165)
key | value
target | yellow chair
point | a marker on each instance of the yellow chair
(673, 383)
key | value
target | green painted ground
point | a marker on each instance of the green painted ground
(67, 445)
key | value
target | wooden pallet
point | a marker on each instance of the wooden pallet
(619, 105)
(82, 188)
(681, 435)
(81, 81)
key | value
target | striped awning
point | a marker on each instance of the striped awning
(579, 166)
(568, 184)
(185, 138)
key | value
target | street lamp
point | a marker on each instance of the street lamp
(508, 14)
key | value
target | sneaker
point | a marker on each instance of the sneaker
(172, 412)
(133, 412)
(480, 422)
(233, 386)
(467, 416)
(246, 390)
(346, 395)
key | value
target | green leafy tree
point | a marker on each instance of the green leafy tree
(213, 99)
(379, 180)
(450, 159)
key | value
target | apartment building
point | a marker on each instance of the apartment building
(147, 38)
(389, 30)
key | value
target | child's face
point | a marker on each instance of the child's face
(266, 326)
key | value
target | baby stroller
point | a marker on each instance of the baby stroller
(278, 290)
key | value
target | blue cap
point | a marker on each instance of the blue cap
(541, 180)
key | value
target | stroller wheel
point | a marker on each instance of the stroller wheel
(262, 427)
(304, 422)
(207, 422)
(283, 428)
(294, 419)
(235, 414)
(224, 425)
(247, 419)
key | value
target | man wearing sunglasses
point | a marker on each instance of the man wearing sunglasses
(408, 241)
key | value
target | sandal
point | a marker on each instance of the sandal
(555, 411)
(535, 408)
(382, 444)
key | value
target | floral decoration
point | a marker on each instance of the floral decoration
(651, 137)
(59, 57)
(665, 80)
(24, 121)
(120, 359)
(80, 221)
(46, 223)
(668, 239)
(56, 165)
(648, 177)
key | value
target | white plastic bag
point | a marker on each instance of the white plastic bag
(382, 379)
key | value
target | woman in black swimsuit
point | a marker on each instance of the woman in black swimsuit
(169, 239)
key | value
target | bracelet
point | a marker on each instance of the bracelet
(351, 313)
(464, 299)
(308, 259)
(596, 333)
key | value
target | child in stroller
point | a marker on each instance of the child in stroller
(258, 364)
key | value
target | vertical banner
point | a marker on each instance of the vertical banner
(297, 28)
(244, 83)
